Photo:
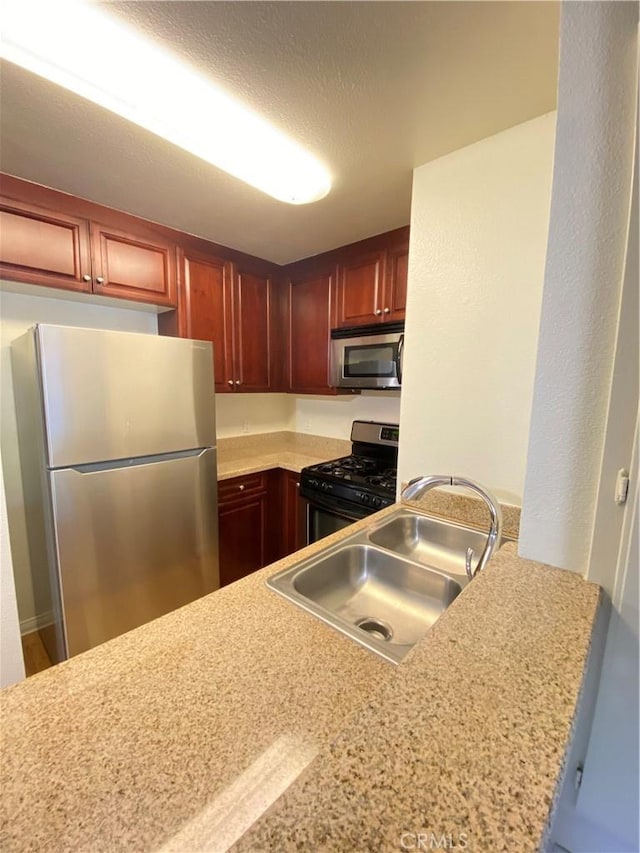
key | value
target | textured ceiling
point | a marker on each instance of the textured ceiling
(372, 88)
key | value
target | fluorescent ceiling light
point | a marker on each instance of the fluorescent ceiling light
(82, 48)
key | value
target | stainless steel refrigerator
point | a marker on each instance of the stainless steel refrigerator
(118, 458)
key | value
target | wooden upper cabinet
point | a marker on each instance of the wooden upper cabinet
(129, 266)
(231, 307)
(372, 285)
(395, 284)
(360, 282)
(252, 327)
(55, 248)
(208, 314)
(38, 246)
(310, 320)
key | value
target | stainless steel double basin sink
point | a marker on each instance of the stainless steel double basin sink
(385, 586)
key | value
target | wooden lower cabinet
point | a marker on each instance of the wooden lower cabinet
(243, 525)
(242, 531)
(294, 515)
(261, 518)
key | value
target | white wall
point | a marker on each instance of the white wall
(249, 413)
(585, 404)
(607, 806)
(11, 660)
(587, 241)
(333, 416)
(479, 222)
(330, 416)
(17, 313)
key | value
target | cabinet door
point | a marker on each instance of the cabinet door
(241, 529)
(39, 246)
(208, 309)
(131, 267)
(243, 524)
(360, 290)
(294, 534)
(252, 322)
(310, 320)
(395, 285)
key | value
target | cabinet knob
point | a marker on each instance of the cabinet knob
(241, 487)
(100, 279)
(387, 310)
(237, 381)
(86, 277)
(297, 485)
(378, 311)
(229, 381)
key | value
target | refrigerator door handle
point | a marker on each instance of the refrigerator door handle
(134, 461)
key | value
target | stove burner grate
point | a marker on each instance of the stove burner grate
(349, 465)
(387, 481)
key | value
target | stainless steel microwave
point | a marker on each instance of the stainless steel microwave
(367, 357)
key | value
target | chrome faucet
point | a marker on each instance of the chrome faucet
(419, 485)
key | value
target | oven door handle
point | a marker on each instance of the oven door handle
(399, 357)
(335, 506)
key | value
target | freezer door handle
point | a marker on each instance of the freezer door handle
(114, 464)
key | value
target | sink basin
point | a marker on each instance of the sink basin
(384, 601)
(432, 542)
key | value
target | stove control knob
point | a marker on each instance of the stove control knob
(376, 501)
(366, 499)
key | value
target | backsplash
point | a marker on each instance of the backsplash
(333, 416)
(248, 414)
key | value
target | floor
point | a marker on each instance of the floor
(35, 655)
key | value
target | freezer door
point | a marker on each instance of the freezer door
(114, 395)
(133, 542)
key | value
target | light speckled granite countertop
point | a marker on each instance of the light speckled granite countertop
(246, 454)
(241, 720)
(293, 451)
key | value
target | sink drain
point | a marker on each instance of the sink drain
(375, 627)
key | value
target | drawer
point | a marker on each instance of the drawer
(240, 487)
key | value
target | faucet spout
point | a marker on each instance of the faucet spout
(419, 485)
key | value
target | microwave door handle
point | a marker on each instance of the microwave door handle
(399, 358)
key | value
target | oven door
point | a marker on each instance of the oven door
(326, 517)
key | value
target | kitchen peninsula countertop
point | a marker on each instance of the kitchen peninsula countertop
(242, 721)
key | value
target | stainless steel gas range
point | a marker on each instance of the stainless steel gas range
(344, 490)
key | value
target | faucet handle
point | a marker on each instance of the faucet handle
(467, 563)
